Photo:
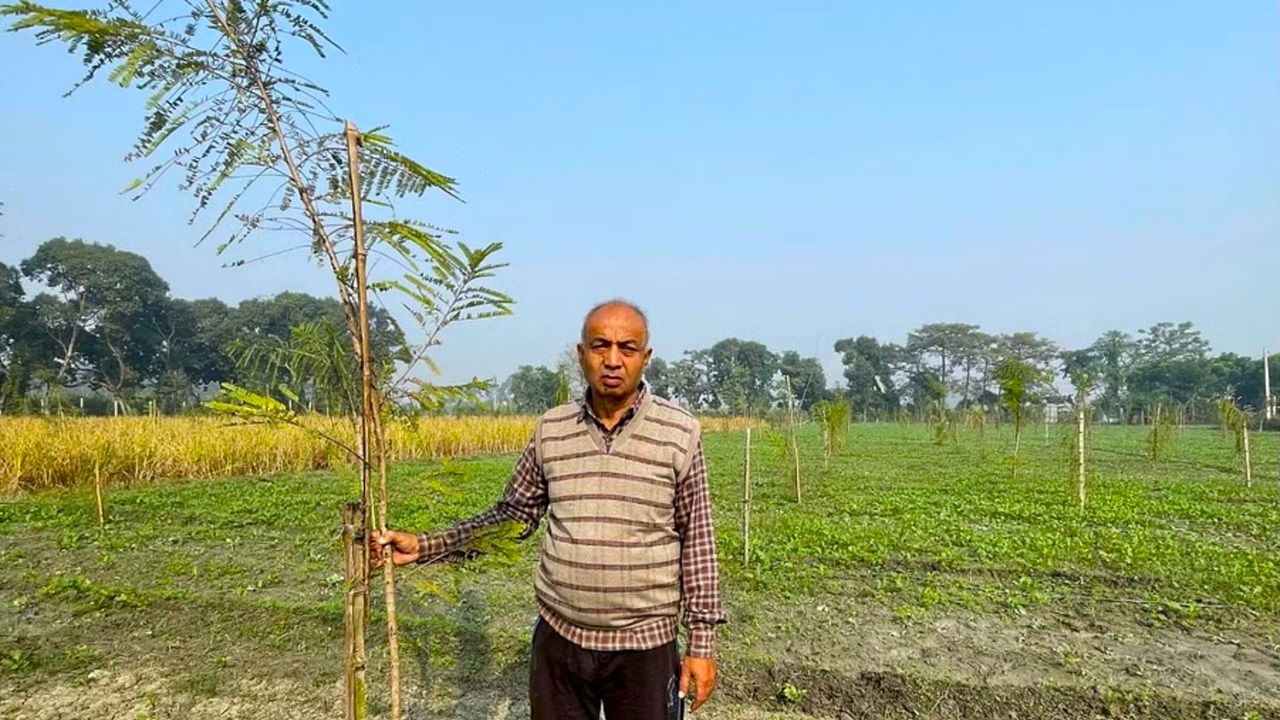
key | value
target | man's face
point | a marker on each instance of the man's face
(614, 351)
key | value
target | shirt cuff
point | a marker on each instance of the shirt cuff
(430, 547)
(702, 640)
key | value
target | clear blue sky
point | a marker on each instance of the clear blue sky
(786, 172)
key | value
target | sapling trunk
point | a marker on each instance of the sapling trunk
(1017, 441)
(795, 450)
(826, 445)
(1236, 423)
(746, 504)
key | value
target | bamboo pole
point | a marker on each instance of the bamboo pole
(355, 569)
(826, 444)
(1248, 467)
(366, 406)
(1269, 409)
(389, 582)
(746, 505)
(1080, 474)
(97, 490)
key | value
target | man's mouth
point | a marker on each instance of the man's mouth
(611, 381)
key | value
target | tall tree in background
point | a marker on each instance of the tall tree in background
(1115, 353)
(1166, 341)
(747, 369)
(570, 369)
(1029, 348)
(205, 358)
(107, 305)
(658, 375)
(869, 373)
(691, 381)
(971, 352)
(23, 344)
(1240, 378)
(533, 389)
(175, 327)
(943, 341)
(1172, 367)
(807, 379)
(1017, 379)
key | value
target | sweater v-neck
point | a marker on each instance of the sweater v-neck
(628, 424)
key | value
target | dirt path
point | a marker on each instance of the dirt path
(838, 661)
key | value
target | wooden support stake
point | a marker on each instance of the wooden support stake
(1080, 411)
(389, 582)
(1268, 408)
(746, 505)
(97, 490)
(1248, 466)
(355, 570)
(795, 451)
(370, 420)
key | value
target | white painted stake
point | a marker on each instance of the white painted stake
(1080, 410)
(1266, 386)
(1248, 469)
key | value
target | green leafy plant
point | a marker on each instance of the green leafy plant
(791, 694)
(15, 661)
(833, 416)
(1235, 424)
(1017, 379)
(944, 424)
(1161, 436)
(975, 418)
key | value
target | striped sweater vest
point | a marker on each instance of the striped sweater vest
(611, 553)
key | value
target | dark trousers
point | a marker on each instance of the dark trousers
(567, 682)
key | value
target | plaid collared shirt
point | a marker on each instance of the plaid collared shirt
(525, 501)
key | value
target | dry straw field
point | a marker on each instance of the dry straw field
(38, 453)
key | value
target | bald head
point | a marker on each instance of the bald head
(617, 309)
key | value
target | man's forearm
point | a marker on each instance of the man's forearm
(524, 501)
(699, 566)
(434, 545)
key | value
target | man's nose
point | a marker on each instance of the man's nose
(613, 358)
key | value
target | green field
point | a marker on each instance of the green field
(915, 580)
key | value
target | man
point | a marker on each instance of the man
(629, 544)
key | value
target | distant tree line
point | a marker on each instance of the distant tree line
(739, 377)
(107, 330)
(957, 364)
(942, 365)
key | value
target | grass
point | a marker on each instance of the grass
(941, 523)
(213, 581)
